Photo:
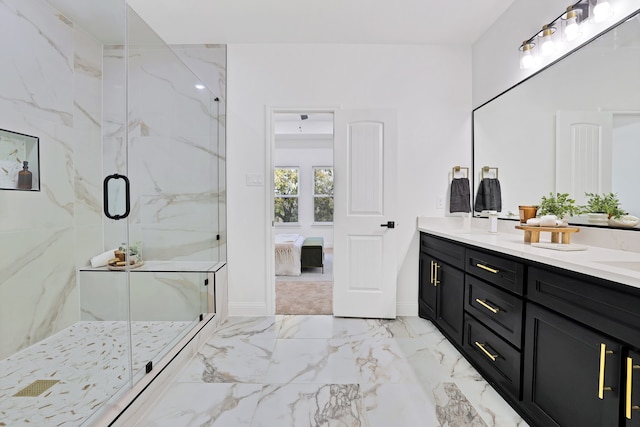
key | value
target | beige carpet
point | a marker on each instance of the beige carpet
(304, 297)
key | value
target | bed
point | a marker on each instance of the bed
(288, 250)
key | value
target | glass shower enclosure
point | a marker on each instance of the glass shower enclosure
(109, 263)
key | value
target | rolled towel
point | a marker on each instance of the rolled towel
(460, 194)
(102, 259)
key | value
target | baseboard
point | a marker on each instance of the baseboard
(258, 308)
(407, 308)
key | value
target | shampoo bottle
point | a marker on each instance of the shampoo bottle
(25, 177)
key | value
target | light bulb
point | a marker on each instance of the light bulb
(526, 61)
(526, 56)
(572, 29)
(547, 45)
(601, 10)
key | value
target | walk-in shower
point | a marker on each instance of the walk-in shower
(103, 95)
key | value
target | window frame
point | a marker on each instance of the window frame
(314, 195)
(286, 196)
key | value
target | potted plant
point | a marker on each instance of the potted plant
(560, 206)
(604, 204)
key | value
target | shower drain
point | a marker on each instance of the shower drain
(36, 388)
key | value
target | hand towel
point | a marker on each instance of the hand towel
(489, 196)
(102, 259)
(460, 193)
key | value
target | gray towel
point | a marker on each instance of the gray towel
(489, 197)
(460, 193)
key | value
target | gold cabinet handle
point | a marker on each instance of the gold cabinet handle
(436, 282)
(431, 273)
(487, 306)
(601, 387)
(481, 346)
(628, 406)
(484, 267)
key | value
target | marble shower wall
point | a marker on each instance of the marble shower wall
(50, 88)
(175, 149)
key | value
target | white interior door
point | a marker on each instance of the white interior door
(364, 214)
(583, 153)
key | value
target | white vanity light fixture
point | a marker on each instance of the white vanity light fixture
(570, 24)
(527, 54)
(547, 40)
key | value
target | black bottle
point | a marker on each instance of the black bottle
(25, 177)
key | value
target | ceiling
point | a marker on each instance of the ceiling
(320, 21)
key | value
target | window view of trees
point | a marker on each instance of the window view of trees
(286, 185)
(323, 194)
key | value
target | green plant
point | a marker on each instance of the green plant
(604, 203)
(134, 249)
(559, 205)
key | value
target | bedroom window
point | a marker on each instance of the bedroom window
(322, 194)
(285, 198)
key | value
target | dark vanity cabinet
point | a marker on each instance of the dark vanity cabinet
(441, 287)
(563, 348)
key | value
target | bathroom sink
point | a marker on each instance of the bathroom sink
(627, 265)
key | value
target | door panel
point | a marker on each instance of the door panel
(583, 153)
(564, 362)
(364, 204)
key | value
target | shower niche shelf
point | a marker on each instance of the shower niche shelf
(19, 161)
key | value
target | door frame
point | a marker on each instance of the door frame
(270, 145)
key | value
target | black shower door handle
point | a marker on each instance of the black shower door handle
(112, 186)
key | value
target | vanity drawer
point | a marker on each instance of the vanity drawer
(496, 358)
(499, 310)
(503, 272)
(607, 306)
(444, 250)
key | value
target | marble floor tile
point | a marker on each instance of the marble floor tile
(222, 405)
(312, 405)
(231, 360)
(324, 361)
(324, 371)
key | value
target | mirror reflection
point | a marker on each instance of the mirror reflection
(572, 128)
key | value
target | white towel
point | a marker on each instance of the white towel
(102, 259)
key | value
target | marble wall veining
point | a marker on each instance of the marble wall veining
(50, 88)
(63, 85)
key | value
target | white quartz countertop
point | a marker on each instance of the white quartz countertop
(611, 264)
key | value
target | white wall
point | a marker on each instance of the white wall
(496, 64)
(305, 154)
(428, 85)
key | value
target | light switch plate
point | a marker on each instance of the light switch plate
(254, 180)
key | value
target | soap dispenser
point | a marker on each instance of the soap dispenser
(25, 177)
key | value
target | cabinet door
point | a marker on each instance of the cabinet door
(450, 284)
(571, 374)
(428, 291)
(632, 389)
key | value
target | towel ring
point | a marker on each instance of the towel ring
(458, 169)
(486, 169)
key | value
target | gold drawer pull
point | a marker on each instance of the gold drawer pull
(481, 346)
(487, 306)
(484, 267)
(601, 387)
(628, 406)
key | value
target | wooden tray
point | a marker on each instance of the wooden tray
(117, 268)
(558, 234)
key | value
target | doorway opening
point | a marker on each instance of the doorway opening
(302, 211)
